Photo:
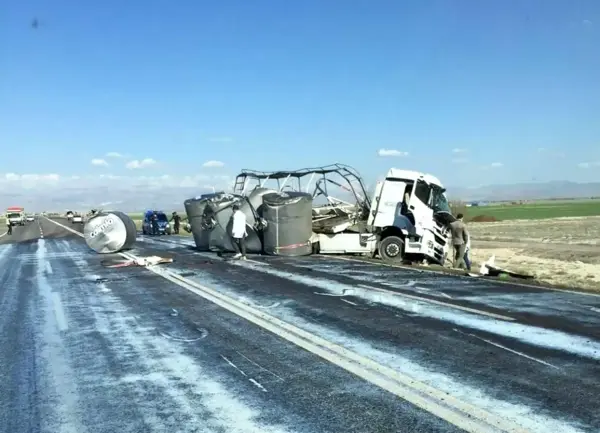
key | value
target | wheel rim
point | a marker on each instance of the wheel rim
(392, 250)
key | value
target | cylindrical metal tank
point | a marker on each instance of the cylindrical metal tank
(194, 208)
(217, 215)
(255, 198)
(110, 232)
(289, 223)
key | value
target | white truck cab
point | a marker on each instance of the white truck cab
(410, 214)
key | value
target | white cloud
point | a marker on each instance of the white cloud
(30, 181)
(99, 162)
(114, 155)
(127, 193)
(492, 165)
(391, 152)
(459, 160)
(458, 150)
(589, 164)
(220, 139)
(135, 164)
(213, 164)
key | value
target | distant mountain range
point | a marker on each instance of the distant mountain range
(168, 199)
(526, 191)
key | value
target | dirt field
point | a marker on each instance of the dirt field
(563, 251)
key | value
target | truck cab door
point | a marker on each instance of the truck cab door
(386, 203)
(419, 205)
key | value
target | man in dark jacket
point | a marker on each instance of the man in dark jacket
(176, 220)
(154, 221)
(460, 237)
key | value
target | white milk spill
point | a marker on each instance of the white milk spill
(522, 414)
(540, 337)
(170, 385)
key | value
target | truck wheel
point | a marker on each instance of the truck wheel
(391, 249)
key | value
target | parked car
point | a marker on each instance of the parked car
(164, 228)
(76, 219)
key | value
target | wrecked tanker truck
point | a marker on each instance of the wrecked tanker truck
(326, 210)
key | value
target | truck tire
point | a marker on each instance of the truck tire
(391, 249)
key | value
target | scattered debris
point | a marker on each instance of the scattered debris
(490, 269)
(142, 261)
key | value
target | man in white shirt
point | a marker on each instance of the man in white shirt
(467, 259)
(238, 232)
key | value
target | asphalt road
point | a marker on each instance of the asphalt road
(87, 348)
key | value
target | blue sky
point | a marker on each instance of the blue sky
(269, 84)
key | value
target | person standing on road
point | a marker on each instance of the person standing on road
(8, 227)
(176, 220)
(460, 237)
(238, 232)
(154, 221)
(467, 252)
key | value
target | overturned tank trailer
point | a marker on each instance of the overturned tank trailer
(407, 216)
(210, 215)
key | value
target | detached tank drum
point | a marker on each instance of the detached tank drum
(255, 198)
(289, 223)
(218, 214)
(194, 208)
(110, 232)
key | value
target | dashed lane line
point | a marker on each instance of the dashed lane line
(463, 415)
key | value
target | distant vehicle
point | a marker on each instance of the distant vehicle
(76, 219)
(30, 218)
(163, 223)
(69, 215)
(16, 216)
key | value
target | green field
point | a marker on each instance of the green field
(537, 210)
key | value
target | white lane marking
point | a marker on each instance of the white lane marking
(524, 355)
(233, 365)
(470, 418)
(432, 271)
(59, 312)
(348, 302)
(445, 295)
(254, 382)
(337, 295)
(259, 366)
(251, 380)
(595, 310)
(49, 268)
(41, 231)
(3, 234)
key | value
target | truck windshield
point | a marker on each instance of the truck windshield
(161, 217)
(14, 215)
(439, 201)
